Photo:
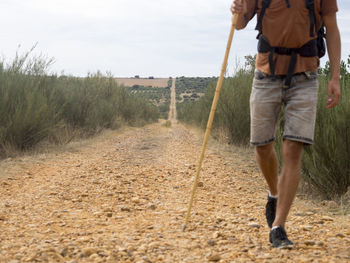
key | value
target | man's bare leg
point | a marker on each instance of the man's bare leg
(288, 180)
(267, 160)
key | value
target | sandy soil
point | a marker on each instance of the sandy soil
(157, 82)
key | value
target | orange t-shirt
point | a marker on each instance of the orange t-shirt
(290, 28)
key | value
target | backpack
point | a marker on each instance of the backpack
(315, 47)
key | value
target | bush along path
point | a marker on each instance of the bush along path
(123, 198)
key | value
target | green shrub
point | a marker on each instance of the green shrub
(232, 111)
(34, 105)
(326, 165)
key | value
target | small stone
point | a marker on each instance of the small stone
(320, 243)
(200, 184)
(214, 258)
(309, 213)
(211, 242)
(98, 214)
(109, 214)
(88, 251)
(160, 258)
(64, 252)
(327, 218)
(340, 235)
(94, 257)
(142, 248)
(125, 209)
(216, 234)
(152, 207)
(102, 254)
(135, 200)
(332, 240)
(146, 259)
(310, 243)
(307, 228)
(254, 225)
(153, 244)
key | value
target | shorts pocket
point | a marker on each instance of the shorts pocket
(258, 75)
(304, 77)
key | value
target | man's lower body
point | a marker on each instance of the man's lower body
(300, 103)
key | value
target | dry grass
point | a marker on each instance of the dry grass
(157, 82)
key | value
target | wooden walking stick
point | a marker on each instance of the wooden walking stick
(211, 116)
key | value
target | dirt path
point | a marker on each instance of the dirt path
(123, 198)
(172, 110)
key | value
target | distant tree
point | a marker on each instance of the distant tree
(343, 71)
(137, 76)
(343, 68)
(250, 63)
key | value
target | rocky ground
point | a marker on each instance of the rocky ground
(123, 198)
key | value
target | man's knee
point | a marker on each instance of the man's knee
(264, 150)
(292, 150)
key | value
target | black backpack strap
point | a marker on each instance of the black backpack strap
(271, 63)
(291, 68)
(310, 5)
(265, 4)
(288, 4)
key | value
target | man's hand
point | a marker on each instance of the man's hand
(239, 7)
(333, 93)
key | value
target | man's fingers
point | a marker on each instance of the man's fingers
(333, 94)
(336, 98)
(333, 101)
(237, 7)
(331, 105)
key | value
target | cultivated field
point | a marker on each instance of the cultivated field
(157, 82)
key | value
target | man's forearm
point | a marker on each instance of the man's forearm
(241, 22)
(333, 47)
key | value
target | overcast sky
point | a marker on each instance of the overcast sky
(132, 37)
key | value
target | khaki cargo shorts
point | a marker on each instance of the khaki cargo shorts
(299, 101)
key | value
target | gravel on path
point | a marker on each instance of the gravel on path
(124, 198)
